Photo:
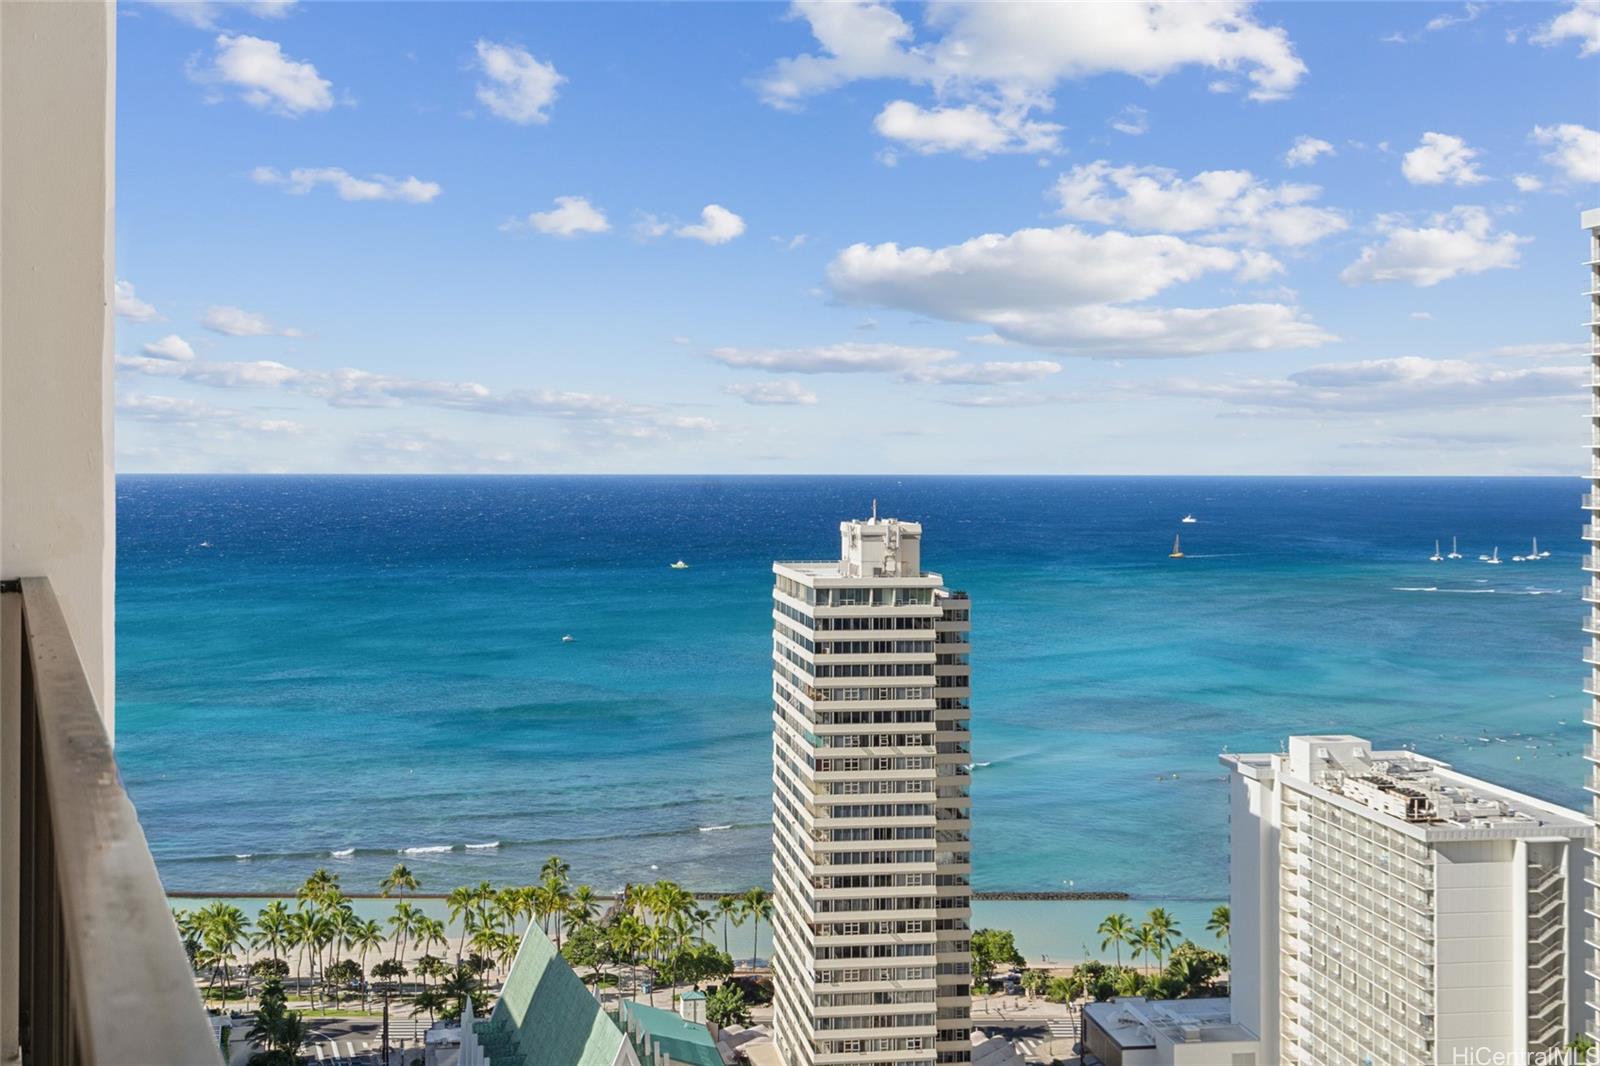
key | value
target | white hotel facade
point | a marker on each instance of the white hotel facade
(1591, 622)
(871, 809)
(1389, 910)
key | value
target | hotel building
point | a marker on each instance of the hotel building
(1387, 909)
(871, 808)
(1591, 621)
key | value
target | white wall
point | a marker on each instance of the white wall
(1253, 905)
(57, 80)
(1477, 958)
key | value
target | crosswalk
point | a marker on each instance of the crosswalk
(1063, 1028)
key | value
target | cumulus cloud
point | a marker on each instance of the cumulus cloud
(1574, 150)
(204, 14)
(1441, 159)
(570, 217)
(1526, 182)
(1460, 241)
(1068, 290)
(1306, 150)
(171, 346)
(129, 306)
(772, 393)
(1580, 22)
(264, 77)
(717, 225)
(516, 86)
(1404, 383)
(302, 180)
(176, 411)
(1231, 206)
(237, 322)
(971, 130)
(347, 387)
(989, 65)
(991, 373)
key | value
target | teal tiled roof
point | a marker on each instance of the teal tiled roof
(546, 1016)
(683, 1041)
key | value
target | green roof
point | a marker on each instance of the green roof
(546, 1016)
(682, 1040)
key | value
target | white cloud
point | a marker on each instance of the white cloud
(1574, 150)
(129, 306)
(1460, 241)
(1014, 51)
(204, 14)
(773, 393)
(572, 215)
(1580, 22)
(993, 373)
(1132, 120)
(171, 346)
(1441, 158)
(846, 358)
(237, 322)
(1227, 205)
(176, 411)
(606, 417)
(519, 88)
(1306, 150)
(1061, 289)
(1469, 13)
(265, 77)
(1526, 182)
(1544, 350)
(1422, 316)
(717, 225)
(302, 180)
(971, 130)
(1404, 383)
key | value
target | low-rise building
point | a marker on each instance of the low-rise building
(1389, 909)
(1134, 1031)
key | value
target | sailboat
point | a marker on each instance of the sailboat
(1189, 520)
(1494, 560)
(1435, 557)
(680, 565)
(1536, 553)
(1177, 550)
(1453, 553)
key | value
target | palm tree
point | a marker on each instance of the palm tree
(272, 928)
(1147, 942)
(584, 906)
(555, 870)
(757, 905)
(731, 911)
(365, 936)
(400, 879)
(222, 930)
(1165, 927)
(300, 937)
(1117, 929)
(431, 1000)
(400, 923)
(460, 902)
(1220, 922)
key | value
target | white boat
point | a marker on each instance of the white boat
(1189, 519)
(568, 639)
(1435, 557)
(1536, 553)
(1454, 554)
(680, 565)
(1494, 560)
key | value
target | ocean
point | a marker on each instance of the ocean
(355, 671)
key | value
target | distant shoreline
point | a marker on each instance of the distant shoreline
(181, 893)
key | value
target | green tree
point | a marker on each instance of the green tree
(399, 880)
(1147, 942)
(731, 911)
(364, 937)
(1220, 922)
(460, 902)
(272, 929)
(1117, 930)
(1165, 927)
(584, 906)
(990, 948)
(280, 1031)
(757, 904)
(726, 1006)
(1034, 981)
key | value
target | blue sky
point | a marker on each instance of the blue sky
(1189, 238)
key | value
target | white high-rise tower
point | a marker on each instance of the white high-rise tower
(871, 808)
(1591, 622)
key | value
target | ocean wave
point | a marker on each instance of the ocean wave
(342, 853)
(432, 849)
(242, 856)
(714, 828)
(490, 846)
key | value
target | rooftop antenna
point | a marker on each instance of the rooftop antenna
(874, 508)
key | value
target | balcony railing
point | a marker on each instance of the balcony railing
(100, 975)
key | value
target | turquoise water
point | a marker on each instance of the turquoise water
(355, 667)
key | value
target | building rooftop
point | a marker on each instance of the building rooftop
(1409, 789)
(545, 1015)
(1135, 1022)
(682, 1040)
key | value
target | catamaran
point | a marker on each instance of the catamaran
(1494, 560)
(1177, 550)
(1453, 553)
(1435, 557)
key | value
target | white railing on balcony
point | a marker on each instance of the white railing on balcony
(101, 976)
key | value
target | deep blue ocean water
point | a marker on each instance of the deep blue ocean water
(308, 665)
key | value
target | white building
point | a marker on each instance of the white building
(1591, 623)
(1387, 909)
(871, 813)
(1134, 1031)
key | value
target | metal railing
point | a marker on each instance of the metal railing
(101, 976)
